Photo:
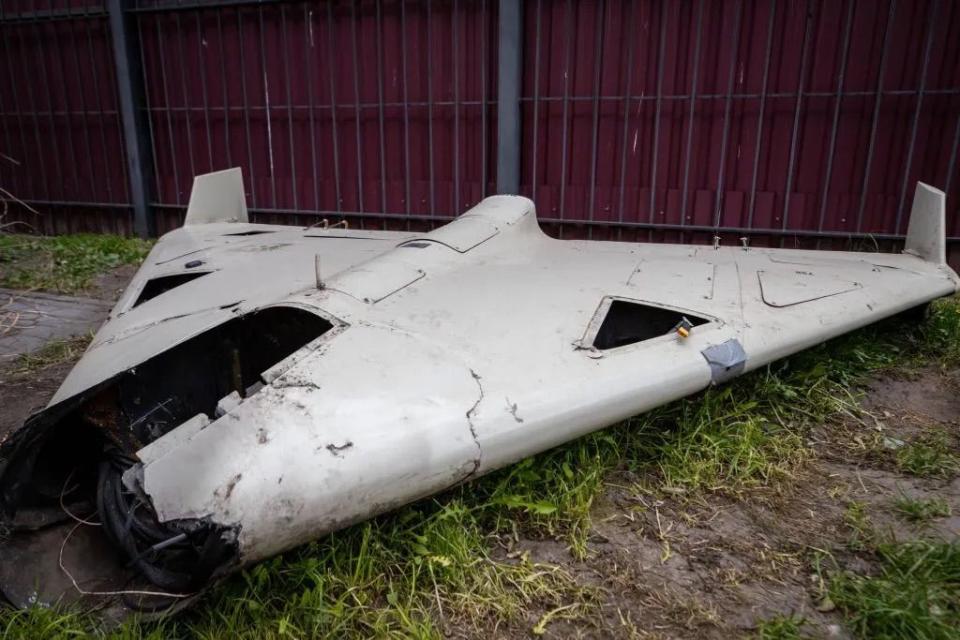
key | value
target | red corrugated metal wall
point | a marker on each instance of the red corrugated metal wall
(364, 108)
(708, 114)
(662, 120)
(60, 132)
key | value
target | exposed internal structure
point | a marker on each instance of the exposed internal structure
(74, 459)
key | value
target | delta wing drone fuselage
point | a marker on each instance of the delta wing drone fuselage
(265, 385)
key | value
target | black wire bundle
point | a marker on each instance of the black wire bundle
(175, 557)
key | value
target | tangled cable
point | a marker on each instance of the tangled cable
(176, 556)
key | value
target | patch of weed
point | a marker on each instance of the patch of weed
(52, 353)
(782, 628)
(942, 330)
(920, 510)
(64, 264)
(412, 574)
(929, 455)
(915, 595)
(862, 533)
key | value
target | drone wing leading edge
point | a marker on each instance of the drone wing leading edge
(259, 386)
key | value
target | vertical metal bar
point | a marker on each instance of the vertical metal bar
(628, 28)
(595, 125)
(931, 25)
(484, 81)
(383, 144)
(429, 75)
(246, 108)
(952, 165)
(661, 50)
(202, 63)
(693, 105)
(406, 109)
(356, 106)
(535, 150)
(147, 115)
(568, 54)
(311, 56)
(804, 57)
(510, 55)
(333, 107)
(760, 114)
(876, 115)
(100, 113)
(223, 85)
(456, 110)
(188, 115)
(836, 115)
(166, 103)
(268, 111)
(286, 82)
(731, 75)
(126, 53)
(58, 53)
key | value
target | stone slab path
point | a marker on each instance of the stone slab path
(30, 319)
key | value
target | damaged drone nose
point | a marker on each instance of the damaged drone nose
(257, 397)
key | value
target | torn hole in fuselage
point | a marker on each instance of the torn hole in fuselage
(620, 322)
(78, 459)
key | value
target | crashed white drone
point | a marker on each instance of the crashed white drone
(259, 386)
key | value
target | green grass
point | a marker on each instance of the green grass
(862, 534)
(941, 331)
(929, 455)
(781, 628)
(920, 510)
(916, 593)
(444, 565)
(64, 264)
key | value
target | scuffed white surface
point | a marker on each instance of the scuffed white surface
(473, 364)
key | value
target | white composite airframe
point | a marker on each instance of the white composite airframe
(259, 386)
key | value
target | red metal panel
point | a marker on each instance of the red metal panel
(777, 146)
(799, 115)
(368, 107)
(60, 132)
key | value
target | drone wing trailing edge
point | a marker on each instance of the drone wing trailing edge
(260, 386)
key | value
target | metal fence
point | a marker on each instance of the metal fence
(802, 121)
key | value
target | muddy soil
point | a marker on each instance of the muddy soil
(714, 566)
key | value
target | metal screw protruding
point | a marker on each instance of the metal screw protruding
(745, 241)
(716, 242)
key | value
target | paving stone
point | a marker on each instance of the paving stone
(28, 320)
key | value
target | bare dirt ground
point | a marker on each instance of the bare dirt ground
(715, 566)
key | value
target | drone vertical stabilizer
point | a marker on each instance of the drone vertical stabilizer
(926, 233)
(217, 197)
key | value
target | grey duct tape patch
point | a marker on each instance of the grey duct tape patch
(726, 360)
